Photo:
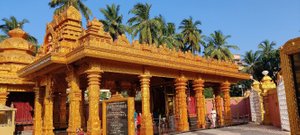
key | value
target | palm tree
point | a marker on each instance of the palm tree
(266, 48)
(218, 48)
(113, 21)
(269, 58)
(251, 59)
(167, 34)
(78, 4)
(191, 34)
(12, 23)
(141, 23)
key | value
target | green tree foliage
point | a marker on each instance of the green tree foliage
(190, 35)
(251, 59)
(141, 24)
(218, 48)
(60, 5)
(113, 21)
(208, 92)
(238, 89)
(266, 58)
(12, 23)
(167, 34)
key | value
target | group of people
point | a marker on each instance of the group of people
(138, 120)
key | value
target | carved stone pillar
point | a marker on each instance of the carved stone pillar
(94, 77)
(218, 104)
(225, 88)
(48, 109)
(182, 122)
(146, 125)
(74, 102)
(37, 121)
(3, 94)
(200, 104)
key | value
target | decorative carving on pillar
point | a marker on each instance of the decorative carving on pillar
(3, 94)
(37, 111)
(146, 125)
(182, 119)
(94, 77)
(48, 108)
(225, 88)
(218, 104)
(74, 99)
(201, 105)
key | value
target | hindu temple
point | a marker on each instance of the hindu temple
(61, 83)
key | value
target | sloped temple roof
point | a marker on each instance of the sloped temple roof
(67, 42)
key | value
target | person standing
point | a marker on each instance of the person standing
(139, 121)
(135, 120)
(214, 118)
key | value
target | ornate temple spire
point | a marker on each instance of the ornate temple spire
(17, 33)
(95, 34)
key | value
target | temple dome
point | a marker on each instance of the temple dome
(16, 49)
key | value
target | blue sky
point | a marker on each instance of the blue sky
(247, 21)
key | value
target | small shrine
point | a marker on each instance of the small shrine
(7, 120)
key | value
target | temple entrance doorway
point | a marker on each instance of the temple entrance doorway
(162, 104)
(24, 103)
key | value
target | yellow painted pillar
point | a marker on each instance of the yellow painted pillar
(200, 104)
(93, 75)
(225, 88)
(182, 122)
(218, 104)
(48, 109)
(146, 125)
(74, 99)
(37, 121)
(3, 94)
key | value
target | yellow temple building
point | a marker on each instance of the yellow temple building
(73, 60)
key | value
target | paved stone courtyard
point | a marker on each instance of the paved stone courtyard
(248, 129)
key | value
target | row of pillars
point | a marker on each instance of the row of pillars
(44, 124)
(198, 85)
